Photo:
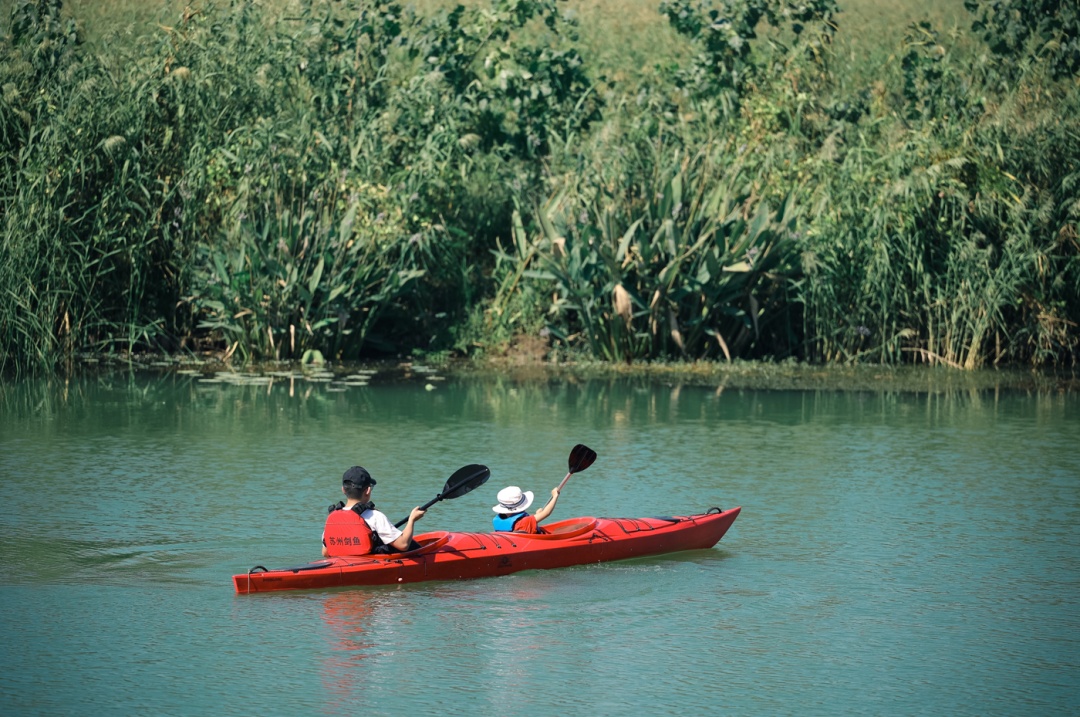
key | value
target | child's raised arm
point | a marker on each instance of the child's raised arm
(546, 510)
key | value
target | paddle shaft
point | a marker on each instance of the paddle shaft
(425, 506)
(464, 480)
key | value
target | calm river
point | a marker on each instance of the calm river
(897, 553)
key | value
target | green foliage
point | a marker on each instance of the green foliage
(39, 26)
(144, 181)
(518, 306)
(1048, 30)
(516, 92)
(693, 266)
(942, 242)
(724, 31)
(934, 87)
(313, 271)
(357, 177)
(80, 251)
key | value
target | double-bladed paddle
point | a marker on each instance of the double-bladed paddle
(581, 457)
(464, 480)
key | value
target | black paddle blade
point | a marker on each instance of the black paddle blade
(464, 480)
(581, 457)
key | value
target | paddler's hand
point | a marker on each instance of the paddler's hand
(554, 493)
(416, 514)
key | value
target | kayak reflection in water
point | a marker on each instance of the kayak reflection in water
(354, 527)
(354, 621)
(512, 515)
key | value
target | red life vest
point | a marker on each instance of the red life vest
(346, 533)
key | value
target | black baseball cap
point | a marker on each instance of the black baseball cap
(358, 476)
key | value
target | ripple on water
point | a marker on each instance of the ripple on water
(905, 553)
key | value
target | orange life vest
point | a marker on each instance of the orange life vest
(346, 533)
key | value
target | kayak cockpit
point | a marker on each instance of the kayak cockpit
(429, 543)
(563, 530)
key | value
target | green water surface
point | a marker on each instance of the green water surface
(898, 552)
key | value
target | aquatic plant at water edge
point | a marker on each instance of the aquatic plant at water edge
(693, 266)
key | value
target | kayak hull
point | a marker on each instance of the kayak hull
(458, 556)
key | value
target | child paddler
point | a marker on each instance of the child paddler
(512, 507)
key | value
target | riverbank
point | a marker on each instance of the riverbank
(738, 375)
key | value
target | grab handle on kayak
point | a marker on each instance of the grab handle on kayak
(714, 508)
(256, 569)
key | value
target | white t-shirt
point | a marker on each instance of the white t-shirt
(378, 522)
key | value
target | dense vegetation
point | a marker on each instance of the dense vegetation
(355, 178)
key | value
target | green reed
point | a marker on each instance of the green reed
(948, 238)
(692, 266)
(265, 178)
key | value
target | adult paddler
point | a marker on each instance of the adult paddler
(354, 527)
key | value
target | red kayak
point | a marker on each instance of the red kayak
(455, 556)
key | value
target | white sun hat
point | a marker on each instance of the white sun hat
(513, 500)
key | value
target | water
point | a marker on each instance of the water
(897, 553)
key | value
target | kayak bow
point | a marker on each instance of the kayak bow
(444, 555)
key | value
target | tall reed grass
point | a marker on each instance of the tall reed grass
(265, 178)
